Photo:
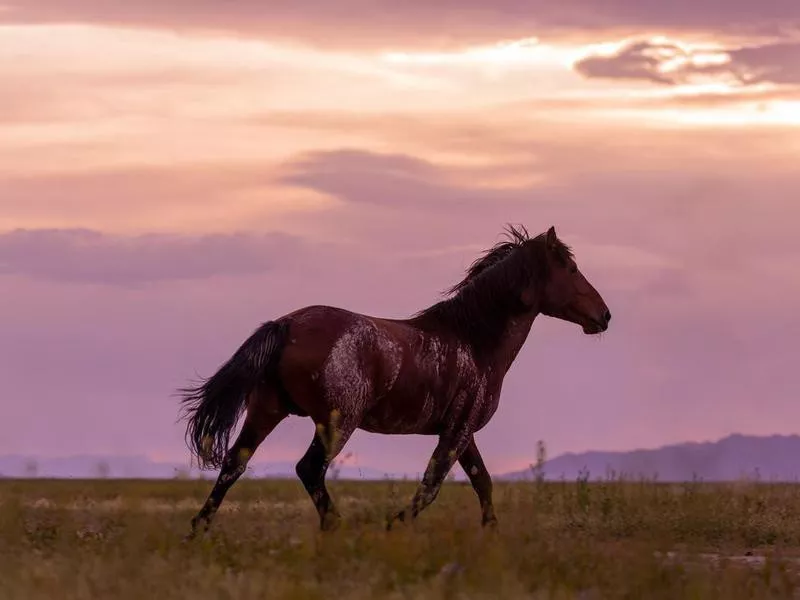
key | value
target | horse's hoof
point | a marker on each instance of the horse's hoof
(197, 528)
(330, 522)
(189, 537)
(490, 523)
(401, 516)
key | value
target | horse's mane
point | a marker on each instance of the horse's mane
(516, 236)
(476, 305)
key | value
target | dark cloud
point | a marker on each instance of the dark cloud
(637, 60)
(357, 163)
(390, 180)
(85, 256)
(387, 23)
(667, 63)
(773, 63)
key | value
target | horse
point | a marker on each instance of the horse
(438, 372)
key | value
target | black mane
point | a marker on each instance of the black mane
(492, 256)
(477, 307)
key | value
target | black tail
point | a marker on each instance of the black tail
(214, 406)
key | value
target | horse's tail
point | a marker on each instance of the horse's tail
(213, 407)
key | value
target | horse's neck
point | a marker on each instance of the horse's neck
(494, 327)
(517, 330)
(498, 350)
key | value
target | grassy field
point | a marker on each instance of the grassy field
(122, 539)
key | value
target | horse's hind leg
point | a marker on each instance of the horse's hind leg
(258, 424)
(472, 463)
(311, 470)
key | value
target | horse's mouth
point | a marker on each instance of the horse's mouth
(590, 325)
(593, 327)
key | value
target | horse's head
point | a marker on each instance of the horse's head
(566, 294)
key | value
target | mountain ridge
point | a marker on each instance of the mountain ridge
(736, 456)
(733, 457)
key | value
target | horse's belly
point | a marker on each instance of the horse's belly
(401, 415)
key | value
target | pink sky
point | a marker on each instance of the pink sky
(175, 173)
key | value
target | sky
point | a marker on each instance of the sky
(175, 173)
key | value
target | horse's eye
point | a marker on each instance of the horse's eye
(573, 269)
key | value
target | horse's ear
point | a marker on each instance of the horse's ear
(552, 238)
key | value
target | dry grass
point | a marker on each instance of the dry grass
(122, 539)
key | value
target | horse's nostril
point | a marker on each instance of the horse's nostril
(607, 316)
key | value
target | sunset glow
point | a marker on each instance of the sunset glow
(287, 159)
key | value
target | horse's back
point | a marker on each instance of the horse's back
(334, 359)
(367, 368)
(313, 331)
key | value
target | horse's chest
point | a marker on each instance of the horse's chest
(484, 409)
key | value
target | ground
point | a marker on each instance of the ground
(76, 540)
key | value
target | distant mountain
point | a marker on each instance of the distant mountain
(734, 457)
(770, 458)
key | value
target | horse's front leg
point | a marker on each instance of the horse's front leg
(447, 452)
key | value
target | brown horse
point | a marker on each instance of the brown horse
(438, 373)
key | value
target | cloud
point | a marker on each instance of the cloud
(383, 23)
(672, 63)
(85, 256)
(659, 220)
(411, 206)
(51, 92)
(396, 181)
(400, 204)
(698, 266)
(721, 98)
(110, 290)
(773, 63)
(196, 185)
(636, 60)
(201, 196)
